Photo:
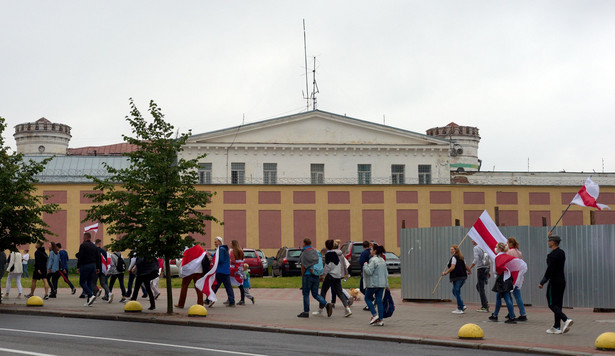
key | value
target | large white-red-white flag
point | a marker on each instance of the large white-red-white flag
(205, 283)
(510, 266)
(105, 262)
(191, 261)
(588, 194)
(486, 234)
(91, 228)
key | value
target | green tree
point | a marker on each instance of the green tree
(155, 203)
(21, 210)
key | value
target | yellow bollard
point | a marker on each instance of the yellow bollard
(133, 307)
(470, 331)
(197, 310)
(34, 301)
(606, 341)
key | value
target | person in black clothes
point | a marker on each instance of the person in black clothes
(88, 265)
(557, 284)
(40, 270)
(146, 270)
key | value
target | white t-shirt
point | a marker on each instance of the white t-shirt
(25, 258)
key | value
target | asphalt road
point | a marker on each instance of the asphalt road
(41, 335)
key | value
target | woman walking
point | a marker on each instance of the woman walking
(14, 268)
(53, 269)
(334, 271)
(502, 289)
(40, 270)
(458, 271)
(237, 276)
(513, 250)
(146, 270)
(376, 281)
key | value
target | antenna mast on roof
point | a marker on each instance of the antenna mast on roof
(314, 86)
(315, 91)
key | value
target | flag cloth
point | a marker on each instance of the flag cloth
(486, 234)
(91, 228)
(588, 194)
(237, 273)
(191, 261)
(105, 262)
(510, 266)
(205, 283)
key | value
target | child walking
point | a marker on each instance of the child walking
(246, 282)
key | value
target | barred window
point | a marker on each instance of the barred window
(204, 173)
(365, 173)
(270, 173)
(317, 173)
(398, 173)
(424, 174)
(238, 173)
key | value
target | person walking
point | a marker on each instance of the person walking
(24, 260)
(64, 267)
(482, 262)
(192, 270)
(14, 269)
(502, 289)
(88, 265)
(366, 254)
(246, 282)
(554, 275)
(458, 271)
(40, 270)
(223, 272)
(376, 281)
(101, 275)
(117, 268)
(145, 270)
(513, 250)
(154, 282)
(53, 268)
(132, 276)
(308, 259)
(334, 270)
(237, 276)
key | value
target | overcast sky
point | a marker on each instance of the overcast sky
(536, 77)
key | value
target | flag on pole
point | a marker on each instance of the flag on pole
(191, 261)
(588, 194)
(486, 234)
(91, 228)
(510, 266)
(205, 283)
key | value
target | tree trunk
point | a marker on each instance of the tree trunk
(167, 268)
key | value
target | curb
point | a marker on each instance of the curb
(295, 331)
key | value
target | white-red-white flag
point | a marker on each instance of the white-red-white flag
(105, 262)
(510, 266)
(91, 228)
(191, 261)
(588, 194)
(486, 234)
(237, 273)
(205, 283)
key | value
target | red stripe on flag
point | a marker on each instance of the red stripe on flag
(485, 234)
(588, 200)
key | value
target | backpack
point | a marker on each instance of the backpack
(121, 264)
(205, 264)
(388, 304)
(317, 269)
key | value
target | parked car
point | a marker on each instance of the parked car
(286, 262)
(174, 268)
(263, 258)
(253, 260)
(352, 250)
(393, 262)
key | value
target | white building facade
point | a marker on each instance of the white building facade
(318, 147)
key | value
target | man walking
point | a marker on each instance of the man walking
(223, 272)
(364, 258)
(64, 267)
(557, 284)
(101, 274)
(482, 262)
(88, 265)
(310, 281)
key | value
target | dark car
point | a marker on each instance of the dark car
(393, 262)
(253, 260)
(286, 262)
(352, 250)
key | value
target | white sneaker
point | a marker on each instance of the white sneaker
(318, 312)
(373, 319)
(91, 299)
(457, 311)
(567, 324)
(380, 322)
(348, 312)
(110, 297)
(553, 330)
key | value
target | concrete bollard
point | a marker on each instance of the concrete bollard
(470, 331)
(197, 310)
(133, 307)
(34, 301)
(606, 341)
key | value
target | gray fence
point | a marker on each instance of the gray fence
(590, 263)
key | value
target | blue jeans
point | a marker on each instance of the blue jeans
(226, 279)
(457, 292)
(369, 296)
(310, 285)
(86, 278)
(507, 300)
(517, 294)
(25, 271)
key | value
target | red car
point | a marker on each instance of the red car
(251, 258)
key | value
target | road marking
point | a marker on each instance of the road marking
(130, 341)
(14, 351)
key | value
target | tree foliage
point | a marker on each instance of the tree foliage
(21, 210)
(156, 203)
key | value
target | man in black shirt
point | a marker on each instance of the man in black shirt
(557, 284)
(88, 265)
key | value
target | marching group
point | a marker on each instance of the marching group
(503, 288)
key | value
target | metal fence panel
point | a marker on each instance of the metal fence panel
(590, 263)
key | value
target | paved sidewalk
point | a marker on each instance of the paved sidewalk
(277, 309)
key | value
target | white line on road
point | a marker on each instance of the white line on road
(14, 351)
(129, 341)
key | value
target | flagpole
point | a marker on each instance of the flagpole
(445, 268)
(560, 218)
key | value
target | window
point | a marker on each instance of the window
(397, 173)
(424, 174)
(204, 173)
(365, 173)
(238, 173)
(317, 173)
(270, 173)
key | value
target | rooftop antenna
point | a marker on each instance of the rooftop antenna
(314, 86)
(307, 98)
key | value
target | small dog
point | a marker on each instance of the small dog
(355, 293)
